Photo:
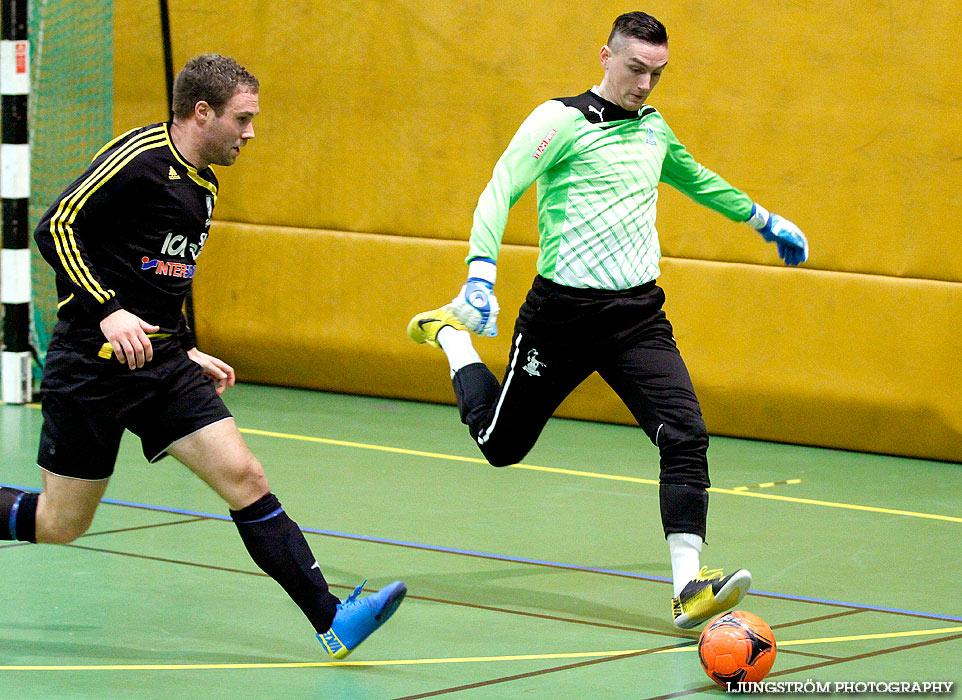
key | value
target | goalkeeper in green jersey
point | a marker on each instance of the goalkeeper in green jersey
(594, 306)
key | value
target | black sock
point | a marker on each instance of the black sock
(278, 547)
(18, 515)
(683, 509)
(476, 390)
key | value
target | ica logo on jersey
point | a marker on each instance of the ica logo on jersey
(178, 246)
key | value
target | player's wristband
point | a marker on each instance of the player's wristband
(759, 218)
(483, 269)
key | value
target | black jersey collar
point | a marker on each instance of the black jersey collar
(204, 177)
(597, 109)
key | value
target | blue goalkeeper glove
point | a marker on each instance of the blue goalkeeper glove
(791, 242)
(476, 306)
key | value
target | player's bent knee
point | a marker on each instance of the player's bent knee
(691, 435)
(250, 476)
(502, 457)
(254, 471)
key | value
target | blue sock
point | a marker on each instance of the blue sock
(18, 515)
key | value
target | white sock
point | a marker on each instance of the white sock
(685, 552)
(457, 346)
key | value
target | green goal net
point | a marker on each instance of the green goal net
(70, 115)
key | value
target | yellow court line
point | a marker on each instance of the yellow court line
(610, 477)
(768, 484)
(880, 635)
(462, 660)
(835, 640)
(594, 475)
(833, 504)
(317, 664)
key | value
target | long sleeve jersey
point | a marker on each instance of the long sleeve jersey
(597, 166)
(127, 234)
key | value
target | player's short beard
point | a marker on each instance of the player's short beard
(219, 157)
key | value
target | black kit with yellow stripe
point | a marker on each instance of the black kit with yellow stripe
(127, 234)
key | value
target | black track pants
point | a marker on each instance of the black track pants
(562, 335)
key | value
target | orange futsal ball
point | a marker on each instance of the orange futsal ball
(736, 647)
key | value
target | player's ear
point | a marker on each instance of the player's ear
(605, 56)
(203, 111)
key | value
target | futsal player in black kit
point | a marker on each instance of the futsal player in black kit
(124, 239)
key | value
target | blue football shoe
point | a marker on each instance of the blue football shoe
(355, 620)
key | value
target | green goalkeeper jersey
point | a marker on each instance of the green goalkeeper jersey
(597, 166)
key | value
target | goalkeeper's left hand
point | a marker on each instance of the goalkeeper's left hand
(791, 242)
(476, 306)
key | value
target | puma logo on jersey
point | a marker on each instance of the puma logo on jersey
(592, 108)
(172, 174)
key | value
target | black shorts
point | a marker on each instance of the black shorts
(561, 337)
(88, 402)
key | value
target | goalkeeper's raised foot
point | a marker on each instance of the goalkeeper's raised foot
(709, 594)
(424, 327)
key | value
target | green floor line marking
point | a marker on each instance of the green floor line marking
(463, 660)
(739, 491)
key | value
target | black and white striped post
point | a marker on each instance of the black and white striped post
(15, 370)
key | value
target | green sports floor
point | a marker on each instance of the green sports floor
(544, 580)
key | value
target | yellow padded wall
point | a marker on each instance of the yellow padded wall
(380, 125)
(811, 367)
(387, 117)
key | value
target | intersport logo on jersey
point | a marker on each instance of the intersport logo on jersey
(167, 268)
(544, 143)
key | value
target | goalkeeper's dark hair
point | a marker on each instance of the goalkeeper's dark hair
(211, 78)
(637, 25)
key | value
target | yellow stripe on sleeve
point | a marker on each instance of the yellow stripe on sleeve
(61, 222)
